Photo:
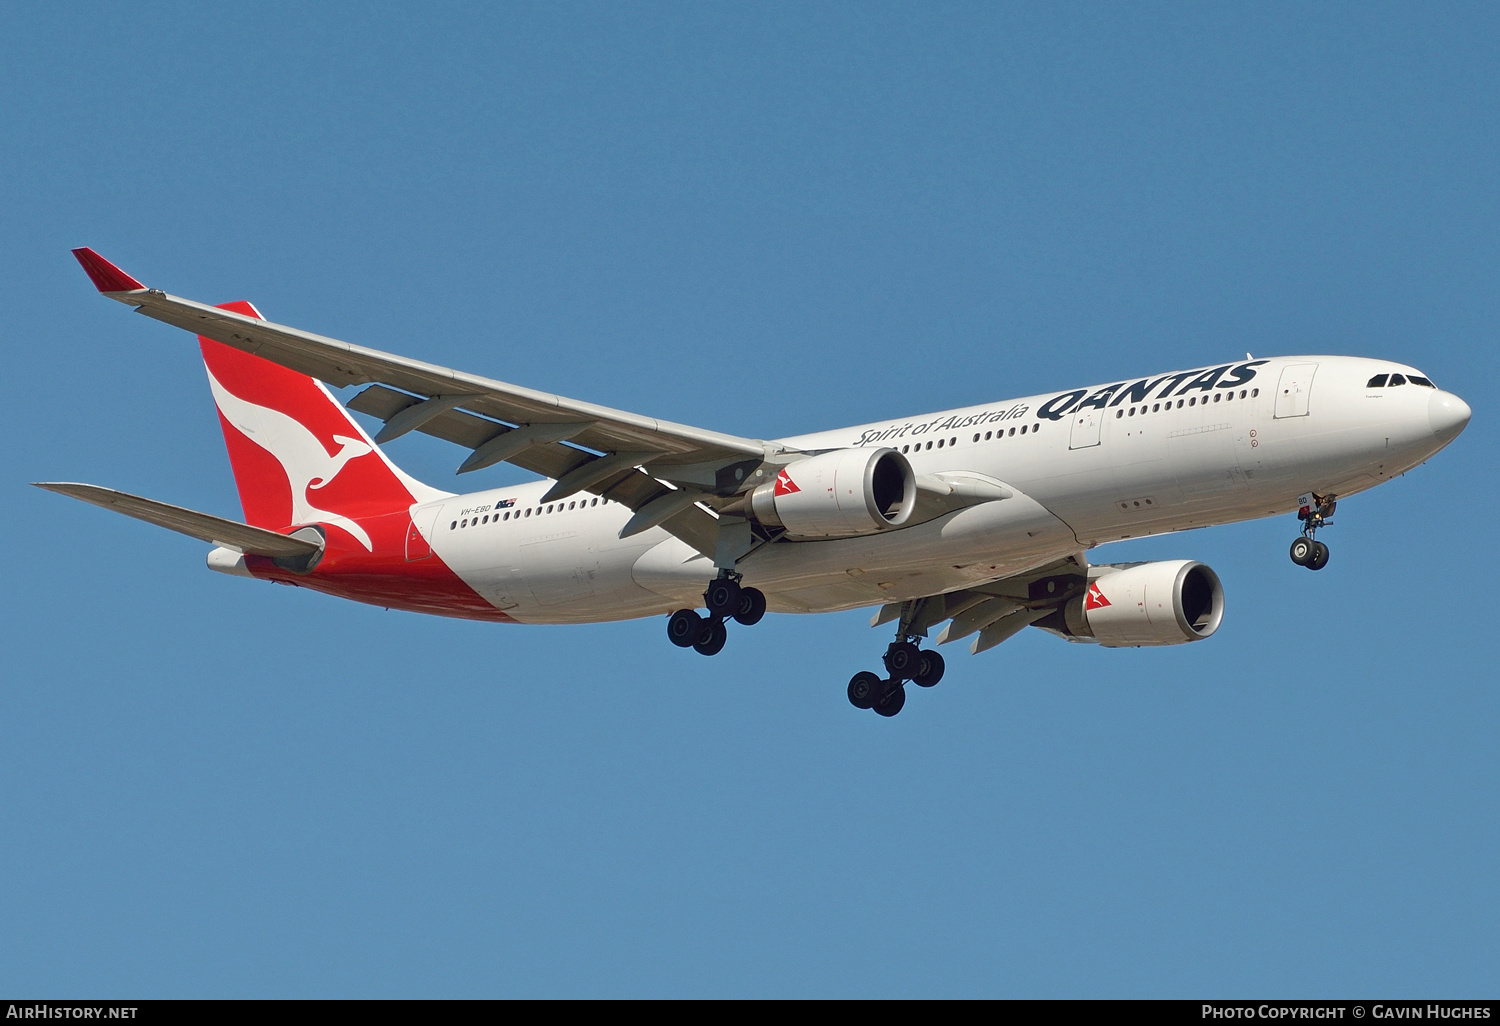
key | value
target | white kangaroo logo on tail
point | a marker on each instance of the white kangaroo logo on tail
(301, 455)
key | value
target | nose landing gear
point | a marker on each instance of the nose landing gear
(904, 661)
(1314, 513)
(726, 599)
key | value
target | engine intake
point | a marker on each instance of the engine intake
(1167, 603)
(838, 494)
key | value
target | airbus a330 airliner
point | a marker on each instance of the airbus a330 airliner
(977, 519)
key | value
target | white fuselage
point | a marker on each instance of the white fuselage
(1095, 465)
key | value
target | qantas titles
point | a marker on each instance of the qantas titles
(1178, 383)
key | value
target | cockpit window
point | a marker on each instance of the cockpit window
(1378, 381)
(1425, 383)
(1397, 379)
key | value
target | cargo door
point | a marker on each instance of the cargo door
(559, 567)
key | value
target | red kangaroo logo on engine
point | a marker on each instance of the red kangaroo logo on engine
(1095, 598)
(784, 484)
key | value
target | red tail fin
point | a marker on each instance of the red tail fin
(298, 457)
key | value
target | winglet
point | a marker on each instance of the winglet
(105, 275)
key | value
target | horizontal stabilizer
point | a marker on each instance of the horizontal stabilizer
(228, 533)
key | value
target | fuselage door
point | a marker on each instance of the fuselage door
(1086, 425)
(419, 531)
(1295, 390)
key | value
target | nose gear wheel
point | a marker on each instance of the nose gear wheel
(1315, 512)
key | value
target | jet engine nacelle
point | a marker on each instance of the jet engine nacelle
(1166, 603)
(838, 494)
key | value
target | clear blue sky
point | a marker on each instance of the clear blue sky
(765, 219)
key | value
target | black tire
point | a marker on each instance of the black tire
(1319, 559)
(752, 607)
(891, 702)
(684, 627)
(722, 598)
(902, 660)
(712, 641)
(1302, 550)
(863, 687)
(930, 671)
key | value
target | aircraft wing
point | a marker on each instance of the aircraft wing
(497, 420)
(216, 530)
(342, 363)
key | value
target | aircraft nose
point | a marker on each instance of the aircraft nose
(1448, 415)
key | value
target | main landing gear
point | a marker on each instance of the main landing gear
(1315, 512)
(904, 661)
(726, 599)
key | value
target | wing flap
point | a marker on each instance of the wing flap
(203, 526)
(454, 426)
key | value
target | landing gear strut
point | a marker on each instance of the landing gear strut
(904, 661)
(726, 599)
(1314, 513)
